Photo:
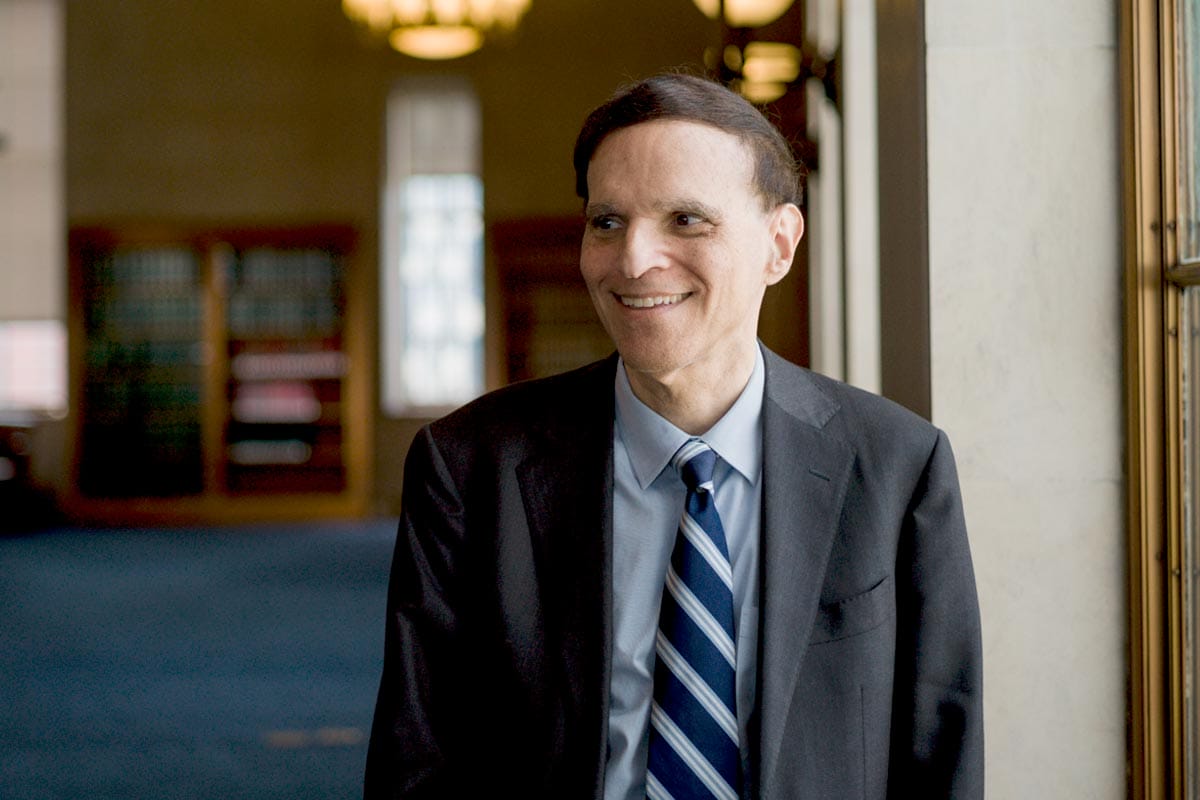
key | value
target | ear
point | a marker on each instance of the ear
(787, 226)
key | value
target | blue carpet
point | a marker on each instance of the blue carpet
(220, 663)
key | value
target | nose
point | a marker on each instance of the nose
(643, 249)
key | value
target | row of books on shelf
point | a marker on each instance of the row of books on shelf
(136, 318)
(262, 314)
(285, 451)
(276, 402)
(147, 421)
(107, 359)
(148, 268)
(284, 270)
(288, 365)
(132, 395)
(265, 452)
(172, 444)
(271, 387)
(174, 316)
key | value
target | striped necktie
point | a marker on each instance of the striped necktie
(693, 719)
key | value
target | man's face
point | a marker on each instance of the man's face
(678, 248)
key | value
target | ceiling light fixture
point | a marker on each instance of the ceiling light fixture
(744, 13)
(436, 29)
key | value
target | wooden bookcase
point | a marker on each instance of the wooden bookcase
(550, 324)
(217, 374)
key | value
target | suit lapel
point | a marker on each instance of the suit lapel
(805, 474)
(566, 489)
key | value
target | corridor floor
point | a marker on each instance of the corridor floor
(190, 663)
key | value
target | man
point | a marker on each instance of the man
(692, 569)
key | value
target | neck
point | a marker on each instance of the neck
(692, 398)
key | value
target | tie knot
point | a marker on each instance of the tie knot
(695, 462)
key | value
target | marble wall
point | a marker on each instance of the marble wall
(1025, 322)
(32, 285)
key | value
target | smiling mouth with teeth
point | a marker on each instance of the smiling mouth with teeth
(650, 302)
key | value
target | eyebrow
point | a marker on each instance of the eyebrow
(688, 204)
(599, 209)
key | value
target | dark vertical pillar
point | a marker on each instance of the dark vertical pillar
(903, 204)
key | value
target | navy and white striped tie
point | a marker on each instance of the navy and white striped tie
(693, 718)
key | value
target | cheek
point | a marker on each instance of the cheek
(587, 265)
(593, 264)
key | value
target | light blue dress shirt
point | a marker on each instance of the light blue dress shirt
(648, 498)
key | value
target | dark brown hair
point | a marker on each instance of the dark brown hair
(694, 99)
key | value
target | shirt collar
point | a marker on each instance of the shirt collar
(651, 440)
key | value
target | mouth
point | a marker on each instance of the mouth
(650, 301)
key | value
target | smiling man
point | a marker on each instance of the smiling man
(692, 570)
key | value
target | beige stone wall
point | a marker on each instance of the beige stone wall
(1025, 278)
(31, 161)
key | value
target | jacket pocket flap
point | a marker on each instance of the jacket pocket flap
(855, 614)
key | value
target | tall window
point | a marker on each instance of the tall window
(432, 302)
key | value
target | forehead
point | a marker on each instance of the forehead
(670, 154)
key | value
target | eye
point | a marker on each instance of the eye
(603, 222)
(686, 219)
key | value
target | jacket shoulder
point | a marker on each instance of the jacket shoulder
(824, 397)
(860, 418)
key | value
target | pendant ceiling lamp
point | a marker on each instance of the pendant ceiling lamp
(436, 29)
(745, 13)
(768, 68)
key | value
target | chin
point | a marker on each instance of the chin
(653, 361)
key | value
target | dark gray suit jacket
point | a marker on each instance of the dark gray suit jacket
(496, 665)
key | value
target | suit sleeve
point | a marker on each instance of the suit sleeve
(416, 711)
(937, 746)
